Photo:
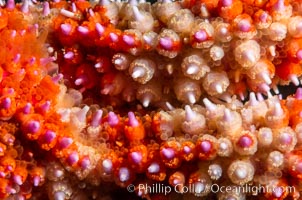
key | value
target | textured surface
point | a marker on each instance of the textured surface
(102, 98)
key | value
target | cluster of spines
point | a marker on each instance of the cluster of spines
(173, 148)
(134, 142)
(244, 45)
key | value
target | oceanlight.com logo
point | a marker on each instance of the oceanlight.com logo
(200, 188)
(252, 189)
